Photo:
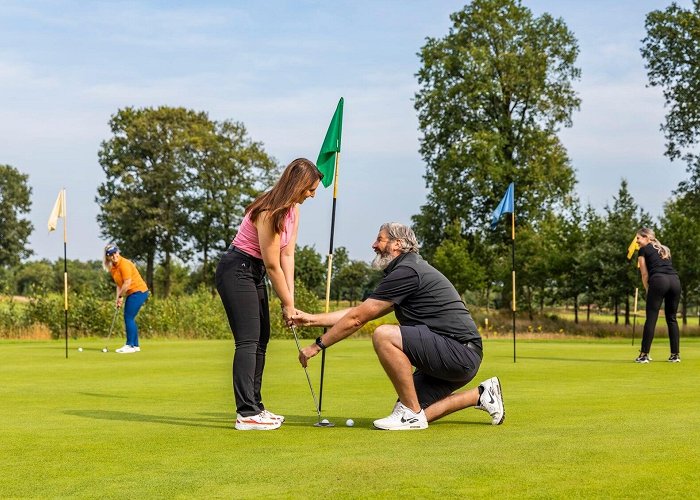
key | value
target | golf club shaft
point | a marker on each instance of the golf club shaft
(111, 328)
(308, 379)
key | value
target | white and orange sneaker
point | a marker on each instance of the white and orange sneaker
(259, 422)
(273, 416)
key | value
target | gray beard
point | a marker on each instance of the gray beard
(381, 261)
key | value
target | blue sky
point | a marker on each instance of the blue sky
(280, 67)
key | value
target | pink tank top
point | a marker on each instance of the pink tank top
(247, 237)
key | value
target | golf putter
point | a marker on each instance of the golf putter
(320, 422)
(111, 328)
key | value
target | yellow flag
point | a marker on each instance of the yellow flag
(59, 210)
(632, 248)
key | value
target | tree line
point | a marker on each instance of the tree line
(493, 95)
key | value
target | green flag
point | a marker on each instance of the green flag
(331, 146)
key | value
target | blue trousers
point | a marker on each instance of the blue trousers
(132, 305)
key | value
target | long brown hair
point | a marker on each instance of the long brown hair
(663, 250)
(299, 176)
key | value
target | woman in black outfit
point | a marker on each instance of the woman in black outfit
(662, 285)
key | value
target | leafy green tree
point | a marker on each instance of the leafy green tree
(535, 259)
(455, 259)
(35, 277)
(493, 94)
(15, 203)
(680, 231)
(593, 256)
(623, 220)
(226, 171)
(341, 259)
(568, 259)
(671, 50)
(352, 280)
(179, 276)
(83, 278)
(142, 202)
(309, 269)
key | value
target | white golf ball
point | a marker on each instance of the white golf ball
(349, 422)
(104, 350)
(80, 349)
(324, 421)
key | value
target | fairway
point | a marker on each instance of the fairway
(582, 420)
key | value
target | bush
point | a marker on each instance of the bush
(198, 315)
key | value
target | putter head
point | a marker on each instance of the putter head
(324, 423)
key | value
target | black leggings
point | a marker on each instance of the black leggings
(240, 280)
(664, 288)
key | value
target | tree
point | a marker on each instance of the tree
(15, 202)
(623, 220)
(680, 231)
(454, 259)
(226, 171)
(309, 269)
(34, 278)
(568, 260)
(352, 280)
(341, 259)
(177, 183)
(672, 55)
(142, 199)
(493, 95)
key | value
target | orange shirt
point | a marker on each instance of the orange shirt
(124, 270)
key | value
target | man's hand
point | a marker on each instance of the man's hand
(307, 353)
(301, 318)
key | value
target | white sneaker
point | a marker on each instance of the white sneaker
(273, 416)
(491, 400)
(259, 422)
(127, 349)
(402, 419)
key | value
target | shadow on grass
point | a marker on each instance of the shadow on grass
(579, 360)
(210, 421)
(101, 395)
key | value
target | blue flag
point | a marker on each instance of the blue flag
(507, 205)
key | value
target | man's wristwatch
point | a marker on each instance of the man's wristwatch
(320, 343)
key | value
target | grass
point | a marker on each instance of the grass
(583, 420)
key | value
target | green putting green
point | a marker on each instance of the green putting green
(582, 420)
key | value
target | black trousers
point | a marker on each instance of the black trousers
(664, 288)
(240, 280)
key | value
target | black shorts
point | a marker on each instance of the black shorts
(443, 365)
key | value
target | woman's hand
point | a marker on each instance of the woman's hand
(120, 299)
(288, 313)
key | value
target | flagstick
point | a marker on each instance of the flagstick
(329, 272)
(65, 270)
(512, 218)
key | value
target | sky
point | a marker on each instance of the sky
(279, 67)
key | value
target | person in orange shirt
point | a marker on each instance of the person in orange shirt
(131, 285)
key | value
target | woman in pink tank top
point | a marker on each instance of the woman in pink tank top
(264, 245)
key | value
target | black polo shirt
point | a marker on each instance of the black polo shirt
(423, 296)
(655, 264)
